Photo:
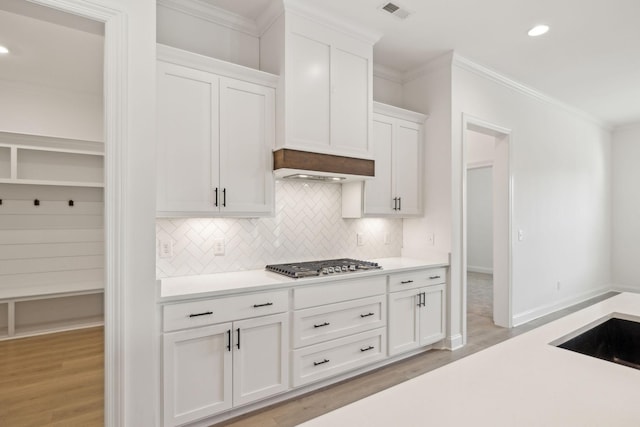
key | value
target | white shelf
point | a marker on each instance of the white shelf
(63, 325)
(38, 160)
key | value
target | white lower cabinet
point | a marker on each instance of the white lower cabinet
(416, 315)
(210, 369)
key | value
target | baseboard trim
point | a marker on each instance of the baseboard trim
(527, 316)
(622, 288)
(453, 342)
(477, 269)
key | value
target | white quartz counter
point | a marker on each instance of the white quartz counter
(184, 287)
(521, 382)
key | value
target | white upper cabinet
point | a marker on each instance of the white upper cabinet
(325, 95)
(216, 130)
(396, 190)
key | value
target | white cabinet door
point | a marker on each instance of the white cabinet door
(187, 139)
(378, 192)
(432, 315)
(308, 109)
(261, 357)
(247, 133)
(406, 167)
(350, 100)
(404, 321)
(196, 373)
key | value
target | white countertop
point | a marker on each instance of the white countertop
(520, 382)
(176, 288)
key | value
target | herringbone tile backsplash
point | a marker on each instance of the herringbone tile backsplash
(307, 225)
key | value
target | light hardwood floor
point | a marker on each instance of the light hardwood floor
(53, 380)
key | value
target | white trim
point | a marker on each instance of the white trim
(535, 313)
(480, 164)
(115, 113)
(335, 22)
(623, 288)
(627, 127)
(473, 123)
(482, 71)
(454, 342)
(213, 14)
(268, 17)
(399, 113)
(478, 269)
(388, 73)
(443, 61)
(212, 65)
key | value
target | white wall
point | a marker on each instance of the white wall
(387, 91)
(626, 208)
(561, 192)
(46, 111)
(480, 220)
(200, 35)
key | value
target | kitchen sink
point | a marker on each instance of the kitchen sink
(616, 338)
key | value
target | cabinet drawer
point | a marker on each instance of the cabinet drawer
(417, 279)
(327, 322)
(343, 290)
(211, 311)
(338, 356)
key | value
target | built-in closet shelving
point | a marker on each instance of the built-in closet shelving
(51, 234)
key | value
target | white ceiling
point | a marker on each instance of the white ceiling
(590, 58)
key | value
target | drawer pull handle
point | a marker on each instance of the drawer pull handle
(322, 362)
(229, 339)
(206, 313)
(367, 315)
(434, 277)
(404, 282)
(321, 325)
(367, 348)
(238, 344)
(262, 305)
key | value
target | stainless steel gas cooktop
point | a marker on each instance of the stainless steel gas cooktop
(297, 270)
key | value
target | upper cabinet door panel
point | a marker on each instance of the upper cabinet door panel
(246, 140)
(187, 138)
(350, 97)
(378, 194)
(407, 167)
(308, 106)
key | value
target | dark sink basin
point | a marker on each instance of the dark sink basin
(616, 340)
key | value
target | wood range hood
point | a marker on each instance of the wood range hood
(296, 164)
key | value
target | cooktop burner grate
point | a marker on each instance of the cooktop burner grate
(297, 270)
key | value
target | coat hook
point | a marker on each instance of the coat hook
(36, 202)
(70, 202)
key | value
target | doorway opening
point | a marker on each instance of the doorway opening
(486, 241)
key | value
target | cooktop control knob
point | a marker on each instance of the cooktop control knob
(352, 267)
(330, 269)
(325, 271)
(338, 269)
(345, 268)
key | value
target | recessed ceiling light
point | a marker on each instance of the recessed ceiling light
(538, 30)
(3, 50)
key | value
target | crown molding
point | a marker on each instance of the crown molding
(269, 16)
(399, 113)
(388, 73)
(443, 61)
(216, 15)
(334, 22)
(489, 74)
(627, 127)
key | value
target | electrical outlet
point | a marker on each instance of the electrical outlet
(360, 239)
(165, 248)
(520, 235)
(431, 239)
(218, 246)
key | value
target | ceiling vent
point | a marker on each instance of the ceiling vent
(395, 10)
